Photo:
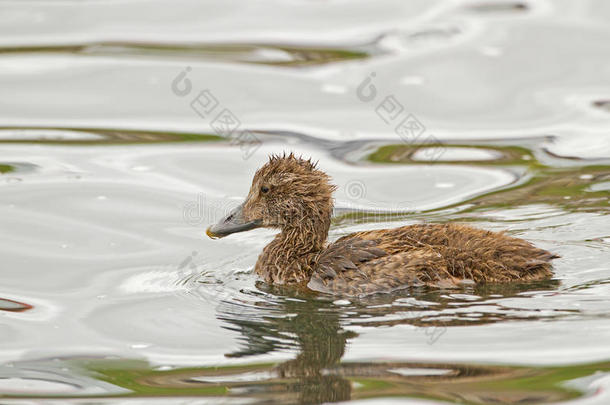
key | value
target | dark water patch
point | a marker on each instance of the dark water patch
(498, 7)
(14, 306)
(430, 35)
(92, 136)
(588, 285)
(602, 104)
(574, 159)
(276, 55)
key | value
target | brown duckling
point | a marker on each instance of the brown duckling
(291, 194)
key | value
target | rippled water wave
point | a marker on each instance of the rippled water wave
(113, 161)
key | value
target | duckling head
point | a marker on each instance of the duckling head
(288, 192)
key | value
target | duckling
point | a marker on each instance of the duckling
(291, 194)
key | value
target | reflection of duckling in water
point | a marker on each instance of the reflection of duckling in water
(314, 327)
(291, 194)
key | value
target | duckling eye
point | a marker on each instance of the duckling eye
(264, 189)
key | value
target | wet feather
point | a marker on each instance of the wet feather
(437, 255)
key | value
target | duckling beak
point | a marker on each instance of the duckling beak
(232, 223)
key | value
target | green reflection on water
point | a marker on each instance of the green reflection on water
(316, 330)
(287, 383)
(567, 186)
(6, 168)
(509, 155)
(313, 328)
(277, 55)
(98, 137)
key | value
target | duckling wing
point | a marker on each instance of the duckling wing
(346, 254)
(357, 266)
(354, 267)
(436, 255)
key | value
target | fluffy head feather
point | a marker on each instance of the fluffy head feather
(288, 190)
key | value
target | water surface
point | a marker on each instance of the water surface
(116, 153)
